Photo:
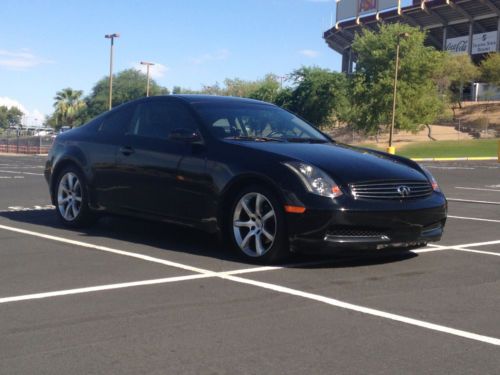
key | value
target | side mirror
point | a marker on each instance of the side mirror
(184, 135)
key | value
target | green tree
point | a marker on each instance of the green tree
(68, 106)
(372, 85)
(10, 117)
(238, 87)
(318, 95)
(460, 71)
(490, 69)
(177, 90)
(267, 89)
(128, 85)
(284, 98)
(214, 89)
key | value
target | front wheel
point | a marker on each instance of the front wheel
(257, 225)
(72, 198)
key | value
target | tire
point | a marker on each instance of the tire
(71, 198)
(255, 226)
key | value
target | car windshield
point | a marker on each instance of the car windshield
(257, 122)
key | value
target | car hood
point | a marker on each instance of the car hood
(344, 163)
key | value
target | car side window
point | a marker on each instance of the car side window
(157, 119)
(117, 122)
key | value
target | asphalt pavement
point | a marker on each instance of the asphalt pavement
(133, 297)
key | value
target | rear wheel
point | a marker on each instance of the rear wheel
(72, 198)
(257, 226)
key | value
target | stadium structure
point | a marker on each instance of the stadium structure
(457, 26)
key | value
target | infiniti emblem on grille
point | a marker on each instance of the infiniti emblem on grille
(404, 190)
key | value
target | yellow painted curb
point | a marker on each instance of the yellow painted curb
(448, 159)
(471, 158)
(480, 158)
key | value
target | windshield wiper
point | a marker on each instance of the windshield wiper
(308, 140)
(256, 139)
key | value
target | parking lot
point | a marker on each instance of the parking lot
(130, 297)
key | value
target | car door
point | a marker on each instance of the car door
(102, 156)
(148, 160)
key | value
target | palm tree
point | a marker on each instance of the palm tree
(68, 105)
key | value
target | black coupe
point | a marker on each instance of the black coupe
(267, 180)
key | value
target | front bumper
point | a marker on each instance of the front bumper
(367, 227)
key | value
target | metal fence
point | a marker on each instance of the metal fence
(26, 145)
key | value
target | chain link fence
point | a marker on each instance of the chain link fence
(26, 145)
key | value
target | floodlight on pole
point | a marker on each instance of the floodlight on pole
(148, 64)
(112, 38)
(391, 149)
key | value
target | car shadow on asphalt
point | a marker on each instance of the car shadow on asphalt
(170, 237)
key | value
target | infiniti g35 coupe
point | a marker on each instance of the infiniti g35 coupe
(261, 176)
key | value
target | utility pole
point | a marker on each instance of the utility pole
(390, 149)
(148, 64)
(282, 78)
(112, 38)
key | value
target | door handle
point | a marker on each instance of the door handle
(127, 150)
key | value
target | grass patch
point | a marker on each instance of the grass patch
(443, 149)
(450, 149)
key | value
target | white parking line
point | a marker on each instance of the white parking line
(476, 244)
(100, 288)
(476, 251)
(367, 310)
(471, 201)
(106, 249)
(274, 287)
(68, 292)
(429, 250)
(32, 208)
(21, 166)
(466, 247)
(19, 172)
(470, 188)
(473, 219)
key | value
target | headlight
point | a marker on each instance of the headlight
(432, 180)
(315, 180)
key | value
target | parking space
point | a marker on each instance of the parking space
(128, 296)
(60, 267)
(20, 178)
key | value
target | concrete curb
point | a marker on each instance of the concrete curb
(472, 158)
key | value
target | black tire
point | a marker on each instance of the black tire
(74, 212)
(276, 249)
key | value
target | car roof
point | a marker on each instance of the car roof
(198, 99)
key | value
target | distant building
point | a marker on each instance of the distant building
(458, 26)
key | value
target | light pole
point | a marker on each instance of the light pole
(148, 64)
(112, 37)
(390, 149)
(282, 78)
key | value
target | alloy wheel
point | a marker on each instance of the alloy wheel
(69, 196)
(254, 224)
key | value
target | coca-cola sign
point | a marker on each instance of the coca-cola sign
(458, 45)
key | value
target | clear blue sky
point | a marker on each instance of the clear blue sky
(48, 45)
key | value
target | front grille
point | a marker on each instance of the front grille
(391, 189)
(354, 232)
